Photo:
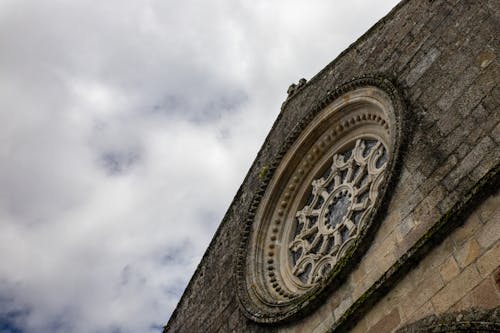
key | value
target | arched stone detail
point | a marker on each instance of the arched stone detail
(321, 196)
(471, 320)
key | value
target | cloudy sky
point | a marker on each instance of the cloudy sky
(126, 129)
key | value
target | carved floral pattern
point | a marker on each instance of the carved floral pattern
(338, 204)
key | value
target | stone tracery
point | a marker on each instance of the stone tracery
(339, 202)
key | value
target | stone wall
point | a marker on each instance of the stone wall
(443, 55)
(460, 273)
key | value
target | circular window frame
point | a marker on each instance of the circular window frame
(367, 107)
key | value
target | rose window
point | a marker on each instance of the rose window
(319, 200)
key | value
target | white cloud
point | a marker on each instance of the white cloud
(127, 128)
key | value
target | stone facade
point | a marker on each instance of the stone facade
(435, 248)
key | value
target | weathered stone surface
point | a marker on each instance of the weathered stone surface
(422, 66)
(468, 253)
(491, 207)
(491, 231)
(470, 320)
(468, 163)
(468, 229)
(424, 311)
(496, 278)
(437, 284)
(449, 269)
(456, 289)
(444, 56)
(489, 261)
(485, 295)
(387, 323)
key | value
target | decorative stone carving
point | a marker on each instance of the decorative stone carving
(319, 200)
(340, 201)
(293, 88)
(471, 320)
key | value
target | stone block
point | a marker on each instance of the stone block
(404, 228)
(326, 322)
(375, 313)
(489, 260)
(488, 78)
(417, 71)
(490, 233)
(490, 206)
(468, 252)
(410, 46)
(372, 275)
(467, 230)
(429, 285)
(383, 253)
(403, 288)
(465, 148)
(415, 198)
(427, 208)
(468, 163)
(412, 180)
(387, 323)
(357, 275)
(487, 163)
(453, 140)
(483, 84)
(422, 226)
(485, 295)
(450, 200)
(390, 222)
(425, 310)
(456, 289)
(452, 93)
(483, 118)
(339, 295)
(495, 134)
(360, 327)
(449, 269)
(492, 100)
(433, 260)
(440, 83)
(343, 306)
(358, 290)
(443, 169)
(430, 164)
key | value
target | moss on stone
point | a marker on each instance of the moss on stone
(263, 172)
(449, 221)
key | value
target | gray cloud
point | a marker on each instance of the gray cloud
(127, 128)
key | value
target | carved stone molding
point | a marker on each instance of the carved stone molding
(322, 194)
(295, 88)
(472, 320)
